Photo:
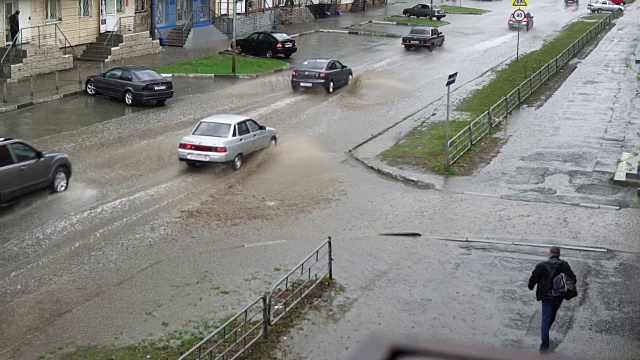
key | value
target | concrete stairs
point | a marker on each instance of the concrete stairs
(34, 60)
(174, 37)
(98, 51)
(357, 6)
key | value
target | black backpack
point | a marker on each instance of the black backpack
(564, 287)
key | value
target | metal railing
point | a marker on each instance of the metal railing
(139, 23)
(38, 36)
(481, 126)
(244, 329)
(201, 14)
(294, 286)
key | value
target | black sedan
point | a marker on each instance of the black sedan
(131, 83)
(326, 73)
(267, 44)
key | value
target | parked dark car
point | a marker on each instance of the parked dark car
(133, 84)
(425, 11)
(24, 169)
(326, 73)
(267, 44)
(423, 37)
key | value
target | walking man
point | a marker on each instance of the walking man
(14, 26)
(543, 276)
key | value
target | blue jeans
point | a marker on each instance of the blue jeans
(550, 308)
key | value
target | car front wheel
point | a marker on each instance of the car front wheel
(90, 87)
(350, 79)
(599, 11)
(60, 181)
(406, 14)
(238, 49)
(273, 142)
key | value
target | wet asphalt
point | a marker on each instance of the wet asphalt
(139, 240)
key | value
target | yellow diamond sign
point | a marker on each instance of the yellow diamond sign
(520, 4)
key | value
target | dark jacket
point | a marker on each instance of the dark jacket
(14, 23)
(544, 273)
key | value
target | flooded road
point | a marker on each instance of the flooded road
(140, 240)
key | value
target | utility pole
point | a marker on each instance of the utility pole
(233, 41)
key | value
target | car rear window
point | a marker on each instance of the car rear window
(281, 36)
(144, 75)
(5, 157)
(313, 65)
(419, 32)
(213, 129)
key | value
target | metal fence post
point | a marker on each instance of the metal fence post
(102, 67)
(519, 98)
(57, 81)
(331, 253)
(489, 119)
(31, 86)
(79, 77)
(506, 106)
(265, 313)
(470, 136)
(4, 91)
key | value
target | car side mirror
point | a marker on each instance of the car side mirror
(262, 127)
(39, 154)
(102, 75)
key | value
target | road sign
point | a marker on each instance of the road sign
(519, 15)
(520, 3)
(452, 78)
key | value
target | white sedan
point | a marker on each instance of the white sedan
(225, 138)
(604, 5)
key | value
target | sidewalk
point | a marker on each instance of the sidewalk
(71, 82)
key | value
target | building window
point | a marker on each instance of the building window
(85, 8)
(159, 13)
(53, 9)
(141, 5)
(120, 7)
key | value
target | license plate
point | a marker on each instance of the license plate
(198, 157)
(306, 84)
(415, 42)
(288, 45)
(160, 87)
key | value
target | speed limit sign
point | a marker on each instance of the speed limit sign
(519, 15)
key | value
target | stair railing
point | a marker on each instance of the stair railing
(118, 26)
(44, 35)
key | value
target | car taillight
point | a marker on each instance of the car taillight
(294, 43)
(279, 45)
(221, 149)
(426, 42)
(293, 73)
(323, 75)
(525, 20)
(199, 148)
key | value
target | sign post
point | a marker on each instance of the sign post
(233, 42)
(519, 15)
(450, 81)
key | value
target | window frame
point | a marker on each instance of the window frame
(81, 8)
(246, 126)
(138, 10)
(250, 121)
(47, 8)
(12, 161)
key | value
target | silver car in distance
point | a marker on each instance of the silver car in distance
(225, 138)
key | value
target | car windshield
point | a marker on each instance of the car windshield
(281, 36)
(213, 129)
(419, 32)
(148, 75)
(313, 65)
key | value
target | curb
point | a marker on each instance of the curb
(228, 76)
(516, 243)
(404, 179)
(400, 23)
(30, 103)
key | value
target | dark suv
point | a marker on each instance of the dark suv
(24, 169)
(425, 11)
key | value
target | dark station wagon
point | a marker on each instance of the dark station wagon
(132, 84)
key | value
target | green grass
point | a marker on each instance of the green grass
(425, 146)
(221, 64)
(415, 21)
(461, 9)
